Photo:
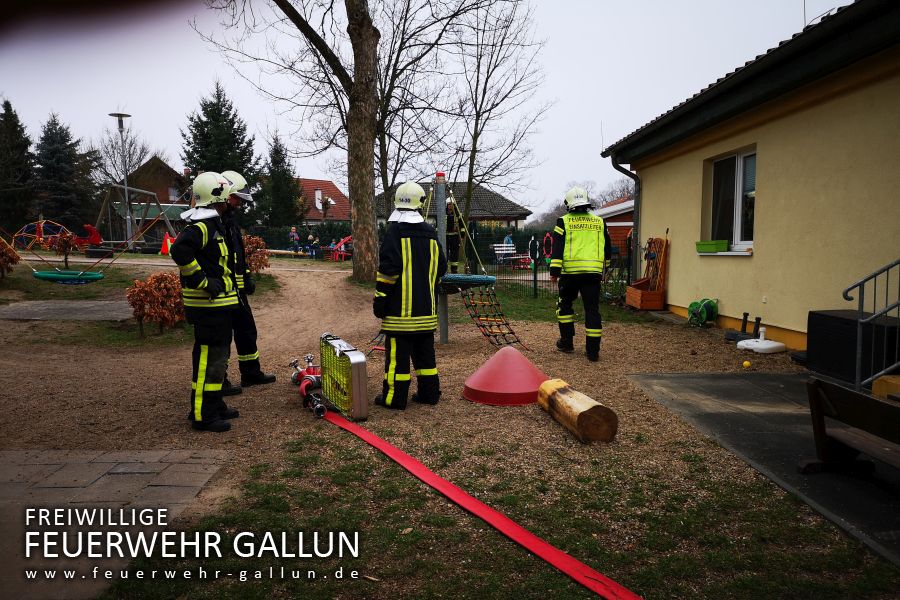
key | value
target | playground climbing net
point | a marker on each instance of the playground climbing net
(486, 312)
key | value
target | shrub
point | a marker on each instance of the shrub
(157, 299)
(8, 258)
(256, 254)
(63, 243)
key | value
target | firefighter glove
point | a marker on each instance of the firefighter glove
(214, 286)
(379, 307)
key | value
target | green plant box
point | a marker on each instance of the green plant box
(712, 246)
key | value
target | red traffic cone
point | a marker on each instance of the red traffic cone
(166, 244)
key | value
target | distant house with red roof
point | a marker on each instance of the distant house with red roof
(325, 201)
(619, 218)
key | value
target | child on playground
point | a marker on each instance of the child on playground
(294, 240)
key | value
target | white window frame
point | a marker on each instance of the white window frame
(735, 244)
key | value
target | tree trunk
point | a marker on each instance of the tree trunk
(361, 139)
(585, 417)
(66, 259)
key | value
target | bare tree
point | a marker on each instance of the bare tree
(307, 40)
(417, 106)
(119, 155)
(497, 55)
(618, 189)
(414, 91)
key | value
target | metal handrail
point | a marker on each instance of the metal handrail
(864, 319)
(868, 278)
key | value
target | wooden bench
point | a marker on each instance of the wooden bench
(873, 428)
(506, 255)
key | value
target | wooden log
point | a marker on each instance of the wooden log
(589, 420)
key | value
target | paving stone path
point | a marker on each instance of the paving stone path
(67, 310)
(168, 479)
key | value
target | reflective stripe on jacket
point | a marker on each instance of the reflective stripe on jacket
(410, 263)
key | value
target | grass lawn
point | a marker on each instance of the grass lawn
(22, 285)
(724, 540)
(518, 305)
(105, 334)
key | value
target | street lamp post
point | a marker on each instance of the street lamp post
(128, 228)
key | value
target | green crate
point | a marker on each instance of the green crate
(712, 246)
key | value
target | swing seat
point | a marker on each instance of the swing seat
(460, 281)
(68, 277)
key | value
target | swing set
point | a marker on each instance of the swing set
(44, 231)
(70, 277)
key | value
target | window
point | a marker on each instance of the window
(734, 200)
(173, 194)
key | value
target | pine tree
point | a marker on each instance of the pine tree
(16, 171)
(216, 139)
(280, 191)
(56, 156)
(64, 186)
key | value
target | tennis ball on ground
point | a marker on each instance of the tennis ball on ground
(746, 364)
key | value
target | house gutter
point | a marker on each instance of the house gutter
(636, 234)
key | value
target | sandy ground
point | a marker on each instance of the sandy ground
(74, 397)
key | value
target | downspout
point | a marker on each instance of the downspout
(636, 235)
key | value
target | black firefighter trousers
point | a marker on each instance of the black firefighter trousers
(398, 349)
(212, 345)
(588, 285)
(245, 337)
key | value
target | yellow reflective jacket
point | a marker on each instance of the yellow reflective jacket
(580, 240)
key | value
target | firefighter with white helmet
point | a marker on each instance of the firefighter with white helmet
(206, 267)
(410, 263)
(243, 323)
(580, 243)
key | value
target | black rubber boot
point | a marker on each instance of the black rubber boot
(432, 401)
(379, 401)
(229, 413)
(565, 345)
(229, 389)
(592, 357)
(257, 379)
(217, 426)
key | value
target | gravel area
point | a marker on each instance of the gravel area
(73, 397)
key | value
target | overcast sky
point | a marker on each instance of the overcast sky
(611, 66)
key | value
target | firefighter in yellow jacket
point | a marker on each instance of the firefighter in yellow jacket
(209, 294)
(410, 263)
(580, 241)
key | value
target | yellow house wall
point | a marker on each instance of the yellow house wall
(827, 205)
